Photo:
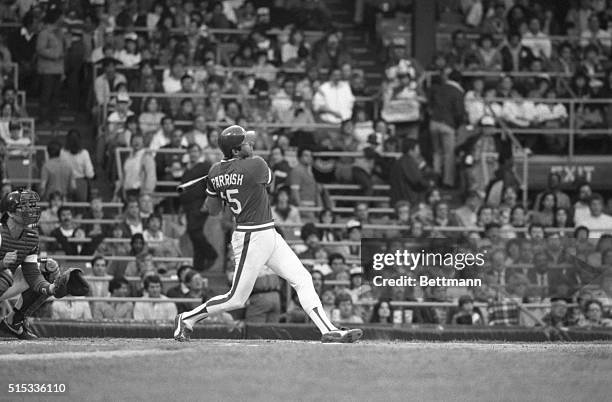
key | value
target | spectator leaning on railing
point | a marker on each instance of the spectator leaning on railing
(117, 287)
(153, 311)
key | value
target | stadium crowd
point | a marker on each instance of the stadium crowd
(169, 75)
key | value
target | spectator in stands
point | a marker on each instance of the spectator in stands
(286, 214)
(153, 311)
(56, 174)
(354, 232)
(596, 36)
(150, 119)
(22, 45)
(563, 219)
(460, 46)
(118, 287)
(334, 99)
(195, 213)
(554, 186)
(67, 230)
(130, 55)
(515, 55)
(447, 115)
(406, 178)
(311, 238)
(279, 166)
(331, 55)
(536, 40)
(194, 284)
(96, 211)
(48, 217)
(82, 168)
(432, 315)
(170, 166)
(131, 221)
(382, 312)
(106, 83)
(466, 214)
(70, 310)
(264, 304)
(163, 136)
(143, 265)
(146, 206)
(597, 221)
(139, 176)
(489, 57)
(180, 290)
(581, 206)
(304, 188)
(99, 287)
(346, 313)
(50, 51)
(594, 315)
(545, 215)
(9, 95)
(558, 316)
(495, 23)
(117, 119)
(467, 314)
(518, 216)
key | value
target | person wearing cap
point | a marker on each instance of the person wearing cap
(467, 313)
(129, 55)
(116, 120)
(50, 51)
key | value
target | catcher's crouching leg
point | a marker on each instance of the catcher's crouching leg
(70, 281)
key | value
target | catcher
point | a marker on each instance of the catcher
(20, 273)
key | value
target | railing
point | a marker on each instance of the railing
(120, 152)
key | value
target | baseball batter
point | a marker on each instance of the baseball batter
(239, 181)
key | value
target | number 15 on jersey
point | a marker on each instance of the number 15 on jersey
(229, 197)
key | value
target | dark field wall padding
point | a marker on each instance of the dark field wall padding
(92, 329)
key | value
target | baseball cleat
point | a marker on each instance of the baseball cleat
(342, 336)
(20, 330)
(181, 332)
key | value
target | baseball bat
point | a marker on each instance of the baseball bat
(184, 186)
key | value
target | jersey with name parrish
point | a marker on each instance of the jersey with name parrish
(241, 184)
(26, 246)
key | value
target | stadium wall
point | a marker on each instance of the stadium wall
(79, 329)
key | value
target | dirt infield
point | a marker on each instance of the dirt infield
(219, 370)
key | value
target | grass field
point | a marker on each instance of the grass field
(218, 370)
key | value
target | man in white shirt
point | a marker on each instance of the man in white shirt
(597, 222)
(334, 100)
(154, 311)
(537, 41)
(70, 310)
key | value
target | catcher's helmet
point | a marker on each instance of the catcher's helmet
(233, 137)
(23, 203)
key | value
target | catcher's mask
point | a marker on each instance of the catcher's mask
(23, 203)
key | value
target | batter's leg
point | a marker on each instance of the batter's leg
(288, 266)
(251, 249)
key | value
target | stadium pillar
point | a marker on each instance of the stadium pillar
(424, 31)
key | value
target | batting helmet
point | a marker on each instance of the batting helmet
(23, 203)
(233, 137)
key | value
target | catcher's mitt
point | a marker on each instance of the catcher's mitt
(71, 282)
